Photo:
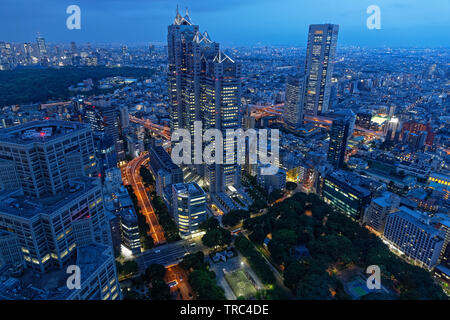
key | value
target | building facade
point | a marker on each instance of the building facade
(46, 154)
(204, 85)
(320, 52)
(293, 110)
(189, 207)
(412, 234)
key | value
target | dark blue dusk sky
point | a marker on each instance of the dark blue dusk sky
(423, 23)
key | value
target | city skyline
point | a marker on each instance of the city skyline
(402, 24)
(332, 182)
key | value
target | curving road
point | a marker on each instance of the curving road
(133, 177)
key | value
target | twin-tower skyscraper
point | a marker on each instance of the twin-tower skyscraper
(204, 85)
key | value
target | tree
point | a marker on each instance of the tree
(216, 237)
(233, 217)
(293, 273)
(159, 290)
(256, 261)
(291, 186)
(203, 282)
(147, 241)
(147, 177)
(128, 267)
(208, 224)
(314, 286)
(282, 241)
(155, 271)
(257, 205)
(275, 195)
(193, 261)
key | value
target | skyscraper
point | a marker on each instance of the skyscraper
(103, 116)
(322, 41)
(56, 213)
(27, 50)
(293, 111)
(339, 134)
(204, 85)
(46, 154)
(221, 111)
(189, 207)
(412, 233)
(41, 46)
(183, 64)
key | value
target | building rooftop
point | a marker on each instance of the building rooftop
(164, 158)
(358, 183)
(385, 200)
(39, 131)
(189, 189)
(419, 219)
(51, 285)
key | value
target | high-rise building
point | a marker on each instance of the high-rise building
(412, 233)
(204, 85)
(293, 110)
(41, 46)
(273, 182)
(73, 48)
(165, 171)
(345, 192)
(105, 152)
(379, 209)
(322, 41)
(27, 50)
(339, 134)
(130, 231)
(124, 117)
(56, 214)
(47, 154)
(103, 116)
(391, 128)
(46, 227)
(221, 111)
(9, 180)
(189, 207)
(179, 41)
(416, 127)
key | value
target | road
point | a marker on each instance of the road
(182, 288)
(170, 254)
(133, 177)
(162, 131)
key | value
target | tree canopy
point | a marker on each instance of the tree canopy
(333, 241)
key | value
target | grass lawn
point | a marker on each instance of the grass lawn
(240, 283)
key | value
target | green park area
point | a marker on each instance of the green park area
(39, 85)
(334, 243)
